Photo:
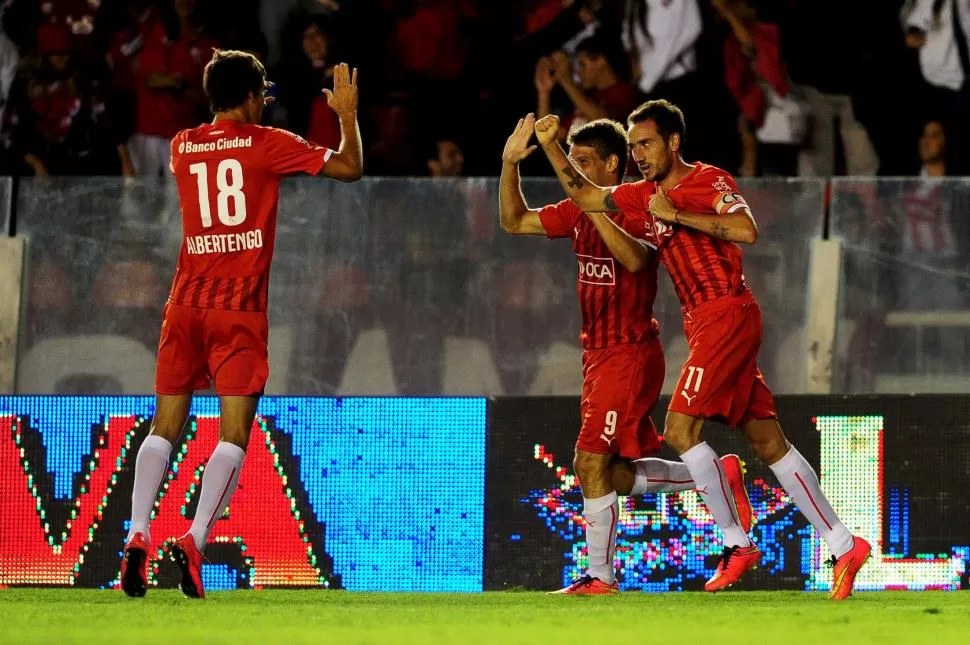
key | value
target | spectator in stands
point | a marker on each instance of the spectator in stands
(445, 158)
(941, 37)
(601, 92)
(773, 121)
(169, 88)
(932, 150)
(825, 52)
(58, 122)
(275, 16)
(305, 70)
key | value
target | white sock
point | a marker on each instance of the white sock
(711, 483)
(151, 464)
(601, 514)
(218, 484)
(799, 480)
(661, 476)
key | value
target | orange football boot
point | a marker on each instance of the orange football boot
(844, 569)
(736, 561)
(588, 586)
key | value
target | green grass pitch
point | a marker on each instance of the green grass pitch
(236, 617)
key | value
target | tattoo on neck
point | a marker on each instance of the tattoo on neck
(575, 177)
(720, 231)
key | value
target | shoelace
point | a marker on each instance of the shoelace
(585, 581)
(729, 552)
(831, 562)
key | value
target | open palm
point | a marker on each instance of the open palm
(343, 98)
(517, 147)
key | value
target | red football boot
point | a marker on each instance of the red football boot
(736, 561)
(588, 586)
(844, 569)
(189, 559)
(734, 470)
(134, 566)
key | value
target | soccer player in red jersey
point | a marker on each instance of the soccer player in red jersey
(700, 219)
(215, 326)
(623, 362)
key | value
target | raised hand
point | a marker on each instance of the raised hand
(562, 67)
(517, 147)
(547, 129)
(545, 80)
(343, 98)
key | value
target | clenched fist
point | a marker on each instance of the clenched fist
(547, 129)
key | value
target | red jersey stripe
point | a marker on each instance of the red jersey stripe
(228, 293)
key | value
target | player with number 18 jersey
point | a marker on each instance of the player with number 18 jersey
(215, 326)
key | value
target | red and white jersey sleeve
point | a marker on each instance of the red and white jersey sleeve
(290, 154)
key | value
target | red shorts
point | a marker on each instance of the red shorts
(620, 387)
(198, 346)
(721, 380)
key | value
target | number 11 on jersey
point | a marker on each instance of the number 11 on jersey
(229, 180)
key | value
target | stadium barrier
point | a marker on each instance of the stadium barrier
(407, 287)
(466, 494)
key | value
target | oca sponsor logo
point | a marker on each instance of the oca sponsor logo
(600, 271)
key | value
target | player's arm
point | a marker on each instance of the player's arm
(588, 196)
(347, 163)
(632, 253)
(515, 215)
(731, 220)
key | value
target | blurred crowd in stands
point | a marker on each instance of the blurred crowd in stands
(769, 87)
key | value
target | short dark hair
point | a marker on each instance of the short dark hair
(668, 117)
(230, 77)
(606, 136)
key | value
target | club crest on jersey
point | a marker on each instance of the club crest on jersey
(601, 271)
(721, 185)
(661, 228)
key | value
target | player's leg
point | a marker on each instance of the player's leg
(801, 482)
(151, 465)
(236, 347)
(608, 383)
(683, 434)
(219, 481)
(223, 468)
(178, 372)
(647, 474)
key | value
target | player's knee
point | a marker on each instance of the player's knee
(593, 473)
(767, 440)
(622, 475)
(680, 433)
(234, 436)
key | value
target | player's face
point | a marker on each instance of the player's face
(588, 70)
(653, 156)
(592, 165)
(254, 108)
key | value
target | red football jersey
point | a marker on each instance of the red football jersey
(617, 306)
(701, 267)
(228, 177)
